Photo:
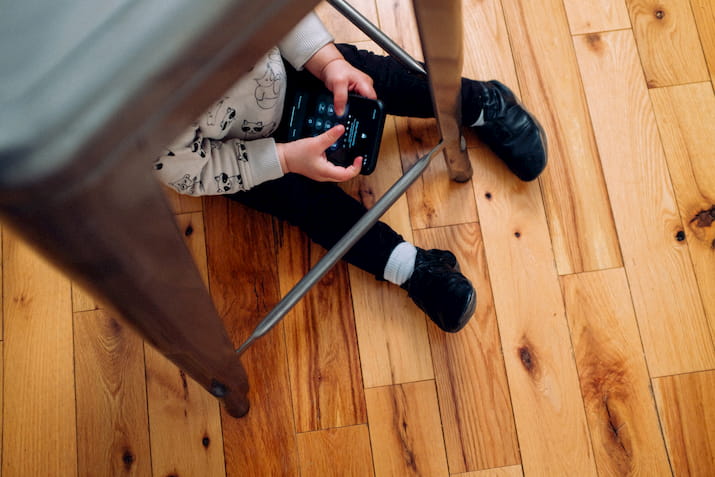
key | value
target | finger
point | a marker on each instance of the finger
(335, 173)
(365, 88)
(329, 137)
(340, 97)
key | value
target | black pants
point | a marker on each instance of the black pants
(322, 209)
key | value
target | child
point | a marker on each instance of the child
(230, 151)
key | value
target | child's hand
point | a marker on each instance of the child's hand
(340, 77)
(307, 157)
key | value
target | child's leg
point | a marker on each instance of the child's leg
(490, 107)
(325, 213)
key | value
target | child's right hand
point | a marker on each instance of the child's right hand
(307, 157)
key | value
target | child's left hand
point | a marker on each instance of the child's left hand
(339, 76)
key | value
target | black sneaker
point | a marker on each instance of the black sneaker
(440, 290)
(511, 131)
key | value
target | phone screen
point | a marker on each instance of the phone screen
(311, 113)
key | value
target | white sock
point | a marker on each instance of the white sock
(401, 263)
(480, 120)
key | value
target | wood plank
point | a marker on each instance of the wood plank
(186, 435)
(685, 404)
(704, 13)
(473, 391)
(191, 226)
(673, 326)
(337, 452)
(397, 20)
(182, 204)
(323, 359)
(244, 288)
(434, 199)
(511, 471)
(39, 429)
(184, 421)
(577, 204)
(668, 42)
(596, 15)
(391, 330)
(82, 300)
(614, 378)
(686, 120)
(340, 27)
(547, 403)
(112, 421)
(405, 430)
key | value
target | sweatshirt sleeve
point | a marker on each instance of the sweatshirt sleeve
(203, 166)
(304, 41)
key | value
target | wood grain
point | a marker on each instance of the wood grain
(614, 378)
(688, 419)
(473, 391)
(112, 421)
(184, 421)
(434, 199)
(182, 204)
(397, 20)
(668, 43)
(672, 323)
(342, 452)
(511, 471)
(405, 430)
(321, 342)
(575, 196)
(704, 13)
(191, 226)
(82, 300)
(244, 284)
(340, 27)
(548, 409)
(391, 330)
(596, 15)
(39, 425)
(392, 333)
(686, 120)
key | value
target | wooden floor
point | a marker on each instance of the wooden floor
(592, 351)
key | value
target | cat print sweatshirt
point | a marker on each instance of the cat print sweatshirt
(229, 148)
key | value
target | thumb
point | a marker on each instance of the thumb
(329, 137)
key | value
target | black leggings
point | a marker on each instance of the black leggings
(322, 209)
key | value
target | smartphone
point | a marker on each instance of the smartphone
(310, 112)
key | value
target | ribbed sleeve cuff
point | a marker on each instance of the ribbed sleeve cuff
(304, 41)
(265, 165)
